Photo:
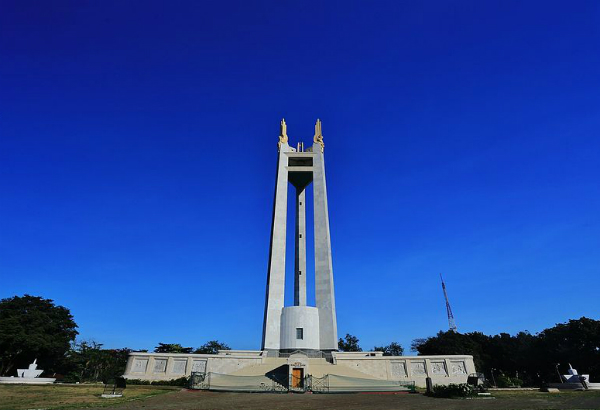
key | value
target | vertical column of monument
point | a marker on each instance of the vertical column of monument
(324, 294)
(300, 264)
(276, 271)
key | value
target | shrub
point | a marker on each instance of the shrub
(182, 382)
(453, 391)
(506, 381)
(136, 382)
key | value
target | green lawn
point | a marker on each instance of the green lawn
(51, 397)
(57, 396)
(532, 394)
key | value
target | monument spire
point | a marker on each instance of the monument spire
(283, 138)
(300, 327)
(318, 138)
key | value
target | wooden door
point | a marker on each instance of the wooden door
(297, 378)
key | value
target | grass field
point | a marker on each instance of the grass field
(56, 396)
(13, 397)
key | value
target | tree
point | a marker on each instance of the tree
(451, 343)
(33, 328)
(576, 342)
(349, 344)
(393, 349)
(89, 362)
(172, 348)
(212, 347)
(524, 357)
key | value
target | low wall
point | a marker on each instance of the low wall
(441, 369)
(167, 366)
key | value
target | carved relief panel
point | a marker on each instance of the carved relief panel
(439, 368)
(458, 367)
(398, 369)
(139, 366)
(179, 366)
(160, 365)
(418, 368)
(199, 366)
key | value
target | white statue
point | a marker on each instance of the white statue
(28, 376)
(283, 138)
(31, 372)
(318, 138)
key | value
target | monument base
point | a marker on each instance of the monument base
(111, 396)
(371, 366)
(28, 376)
(26, 380)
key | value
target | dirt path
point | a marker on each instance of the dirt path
(203, 400)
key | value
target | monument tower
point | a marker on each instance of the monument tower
(300, 341)
(300, 327)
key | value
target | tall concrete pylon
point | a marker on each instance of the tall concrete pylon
(300, 327)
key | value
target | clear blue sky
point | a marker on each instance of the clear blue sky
(139, 141)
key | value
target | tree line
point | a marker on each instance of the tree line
(506, 360)
(350, 344)
(210, 347)
(35, 328)
(524, 359)
(32, 328)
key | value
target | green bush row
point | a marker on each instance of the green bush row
(453, 391)
(182, 381)
(506, 381)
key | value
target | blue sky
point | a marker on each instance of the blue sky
(138, 145)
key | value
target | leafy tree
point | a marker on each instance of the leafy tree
(212, 347)
(576, 342)
(393, 349)
(89, 362)
(172, 348)
(32, 327)
(451, 343)
(349, 344)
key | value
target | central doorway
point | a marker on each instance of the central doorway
(297, 378)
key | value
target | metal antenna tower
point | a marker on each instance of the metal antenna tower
(451, 322)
